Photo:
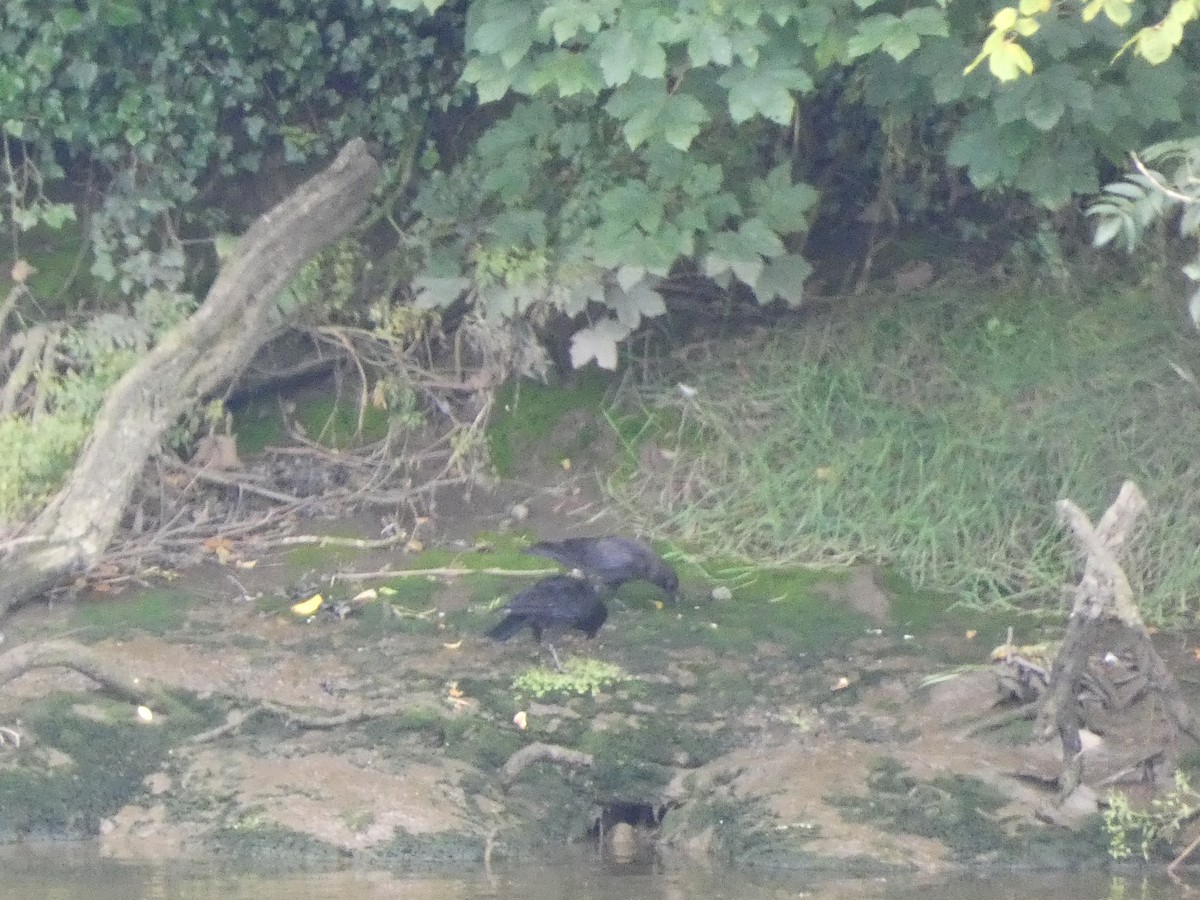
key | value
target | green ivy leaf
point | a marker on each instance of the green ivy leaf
(783, 278)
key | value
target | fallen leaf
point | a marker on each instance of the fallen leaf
(841, 684)
(387, 592)
(145, 714)
(365, 596)
(246, 563)
(21, 271)
(414, 546)
(970, 635)
(566, 464)
(455, 690)
(453, 646)
(309, 606)
(521, 720)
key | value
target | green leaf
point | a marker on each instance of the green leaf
(622, 55)
(437, 293)
(1106, 230)
(632, 204)
(766, 90)
(783, 278)
(598, 342)
(650, 112)
(992, 153)
(569, 72)
(710, 44)
(506, 31)
(566, 19)
(490, 77)
(1044, 110)
(782, 204)
(120, 15)
(632, 304)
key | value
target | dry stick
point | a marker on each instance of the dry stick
(431, 573)
(214, 477)
(324, 540)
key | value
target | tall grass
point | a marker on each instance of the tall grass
(935, 435)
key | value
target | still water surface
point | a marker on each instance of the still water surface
(76, 872)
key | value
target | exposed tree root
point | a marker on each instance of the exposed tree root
(536, 753)
(1103, 594)
(71, 655)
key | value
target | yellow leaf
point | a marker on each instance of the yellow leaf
(309, 606)
(453, 646)
(1092, 10)
(455, 690)
(566, 464)
(1008, 61)
(414, 546)
(1026, 27)
(521, 720)
(1155, 45)
(1033, 7)
(1004, 19)
(970, 635)
(1118, 11)
(1183, 11)
(365, 596)
(246, 563)
(379, 396)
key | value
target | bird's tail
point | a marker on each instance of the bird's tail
(508, 626)
(547, 550)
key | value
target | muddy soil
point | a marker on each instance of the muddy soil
(805, 720)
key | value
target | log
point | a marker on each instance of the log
(190, 362)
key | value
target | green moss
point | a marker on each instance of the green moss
(529, 412)
(579, 675)
(963, 814)
(108, 755)
(155, 611)
(253, 839)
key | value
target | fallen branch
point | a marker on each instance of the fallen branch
(443, 572)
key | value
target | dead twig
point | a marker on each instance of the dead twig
(442, 572)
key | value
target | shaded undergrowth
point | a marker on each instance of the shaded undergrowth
(935, 434)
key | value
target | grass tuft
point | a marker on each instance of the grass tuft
(935, 435)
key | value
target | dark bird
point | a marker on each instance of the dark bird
(612, 561)
(554, 605)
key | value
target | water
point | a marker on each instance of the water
(77, 872)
